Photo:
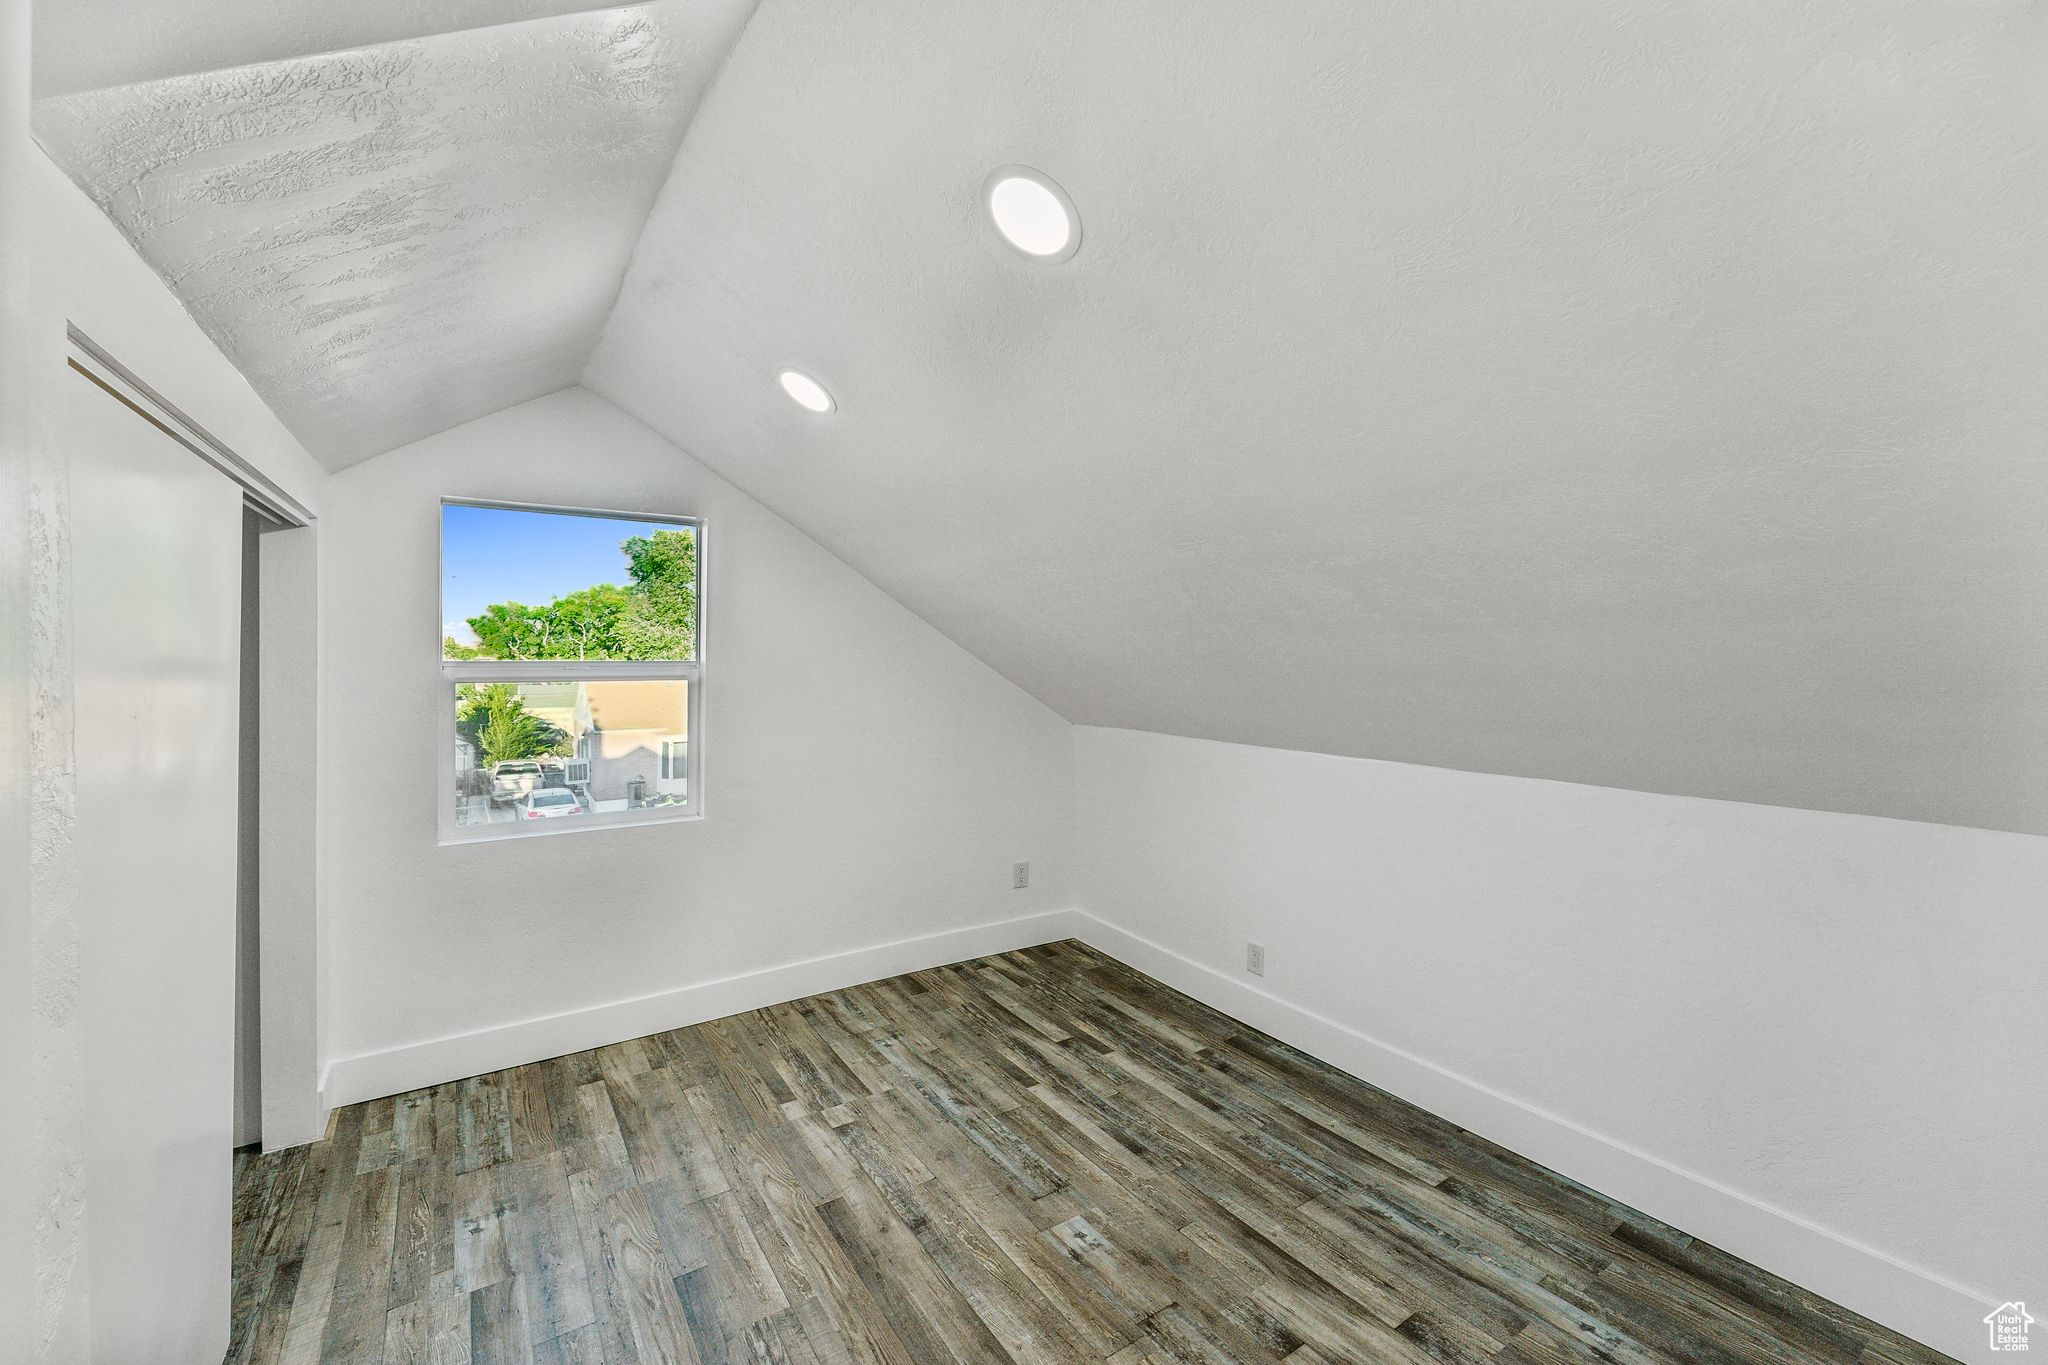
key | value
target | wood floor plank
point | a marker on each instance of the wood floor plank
(927, 1313)
(661, 1135)
(585, 1346)
(406, 1333)
(321, 1257)
(635, 1293)
(839, 1316)
(479, 1214)
(423, 1243)
(485, 1122)
(531, 1117)
(1031, 1329)
(498, 1334)
(543, 1247)
(1037, 1158)
(355, 1317)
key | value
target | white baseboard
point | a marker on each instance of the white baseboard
(292, 1124)
(1906, 1298)
(373, 1075)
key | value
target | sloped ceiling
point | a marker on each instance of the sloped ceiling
(93, 44)
(1637, 393)
(1651, 395)
(397, 238)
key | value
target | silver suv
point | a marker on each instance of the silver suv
(514, 778)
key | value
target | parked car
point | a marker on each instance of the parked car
(514, 778)
(549, 802)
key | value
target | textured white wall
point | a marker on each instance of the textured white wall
(865, 779)
(84, 272)
(19, 1184)
(1838, 1017)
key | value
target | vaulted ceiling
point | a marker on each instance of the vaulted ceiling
(1632, 393)
(393, 239)
(93, 44)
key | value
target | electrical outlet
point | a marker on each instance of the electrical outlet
(1255, 958)
(1020, 876)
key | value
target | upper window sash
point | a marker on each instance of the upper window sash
(655, 600)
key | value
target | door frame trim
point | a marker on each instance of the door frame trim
(91, 359)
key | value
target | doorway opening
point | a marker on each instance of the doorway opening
(248, 844)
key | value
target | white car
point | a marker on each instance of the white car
(514, 779)
(549, 802)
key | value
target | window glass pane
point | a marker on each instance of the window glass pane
(562, 750)
(557, 585)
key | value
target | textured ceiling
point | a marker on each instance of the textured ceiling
(92, 44)
(1652, 395)
(394, 239)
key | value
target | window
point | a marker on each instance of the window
(675, 761)
(572, 669)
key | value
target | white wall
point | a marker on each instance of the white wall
(1813, 1039)
(68, 263)
(866, 780)
(19, 1188)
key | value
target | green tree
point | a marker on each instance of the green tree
(653, 617)
(500, 728)
(590, 624)
(663, 622)
(587, 624)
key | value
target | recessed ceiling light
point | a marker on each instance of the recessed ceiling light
(807, 392)
(1033, 214)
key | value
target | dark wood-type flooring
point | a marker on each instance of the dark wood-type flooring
(1042, 1157)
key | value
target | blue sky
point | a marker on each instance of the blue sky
(493, 554)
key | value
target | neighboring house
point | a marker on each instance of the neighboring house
(619, 732)
(553, 702)
(628, 731)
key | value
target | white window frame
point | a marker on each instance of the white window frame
(667, 765)
(457, 671)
